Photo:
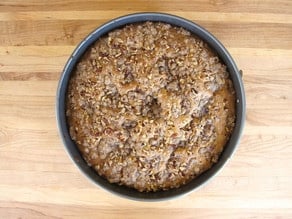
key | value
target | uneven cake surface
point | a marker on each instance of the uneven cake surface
(150, 106)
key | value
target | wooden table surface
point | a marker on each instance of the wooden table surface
(38, 179)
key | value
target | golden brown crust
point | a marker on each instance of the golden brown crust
(150, 106)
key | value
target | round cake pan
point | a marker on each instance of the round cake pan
(197, 30)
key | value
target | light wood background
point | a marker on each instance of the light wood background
(38, 179)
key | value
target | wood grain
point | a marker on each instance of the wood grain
(37, 177)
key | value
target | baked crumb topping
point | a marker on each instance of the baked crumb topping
(150, 106)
